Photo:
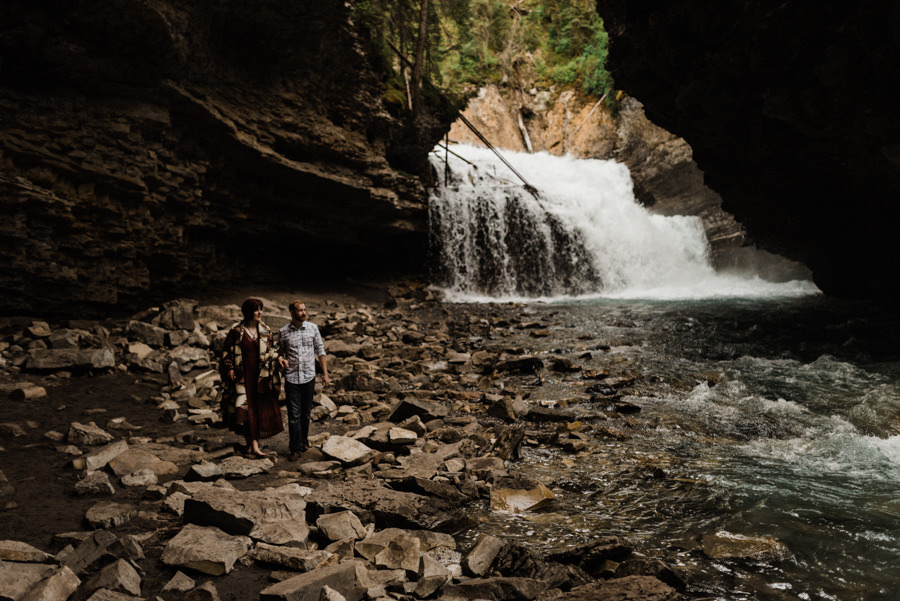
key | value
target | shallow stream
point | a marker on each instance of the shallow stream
(773, 418)
(767, 410)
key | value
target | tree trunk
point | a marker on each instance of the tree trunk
(419, 65)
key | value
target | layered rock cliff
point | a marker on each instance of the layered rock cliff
(158, 146)
(666, 179)
(790, 110)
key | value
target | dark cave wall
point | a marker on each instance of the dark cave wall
(156, 147)
(790, 110)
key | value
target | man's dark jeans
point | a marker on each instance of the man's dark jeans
(299, 400)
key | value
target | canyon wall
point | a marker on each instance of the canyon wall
(155, 147)
(790, 110)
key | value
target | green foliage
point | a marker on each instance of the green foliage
(474, 42)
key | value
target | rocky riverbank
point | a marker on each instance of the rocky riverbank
(118, 481)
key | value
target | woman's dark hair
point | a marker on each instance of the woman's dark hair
(250, 306)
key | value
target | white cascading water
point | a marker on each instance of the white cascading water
(582, 235)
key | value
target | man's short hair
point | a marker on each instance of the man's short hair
(294, 304)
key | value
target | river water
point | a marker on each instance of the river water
(767, 410)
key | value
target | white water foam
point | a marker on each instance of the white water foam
(627, 253)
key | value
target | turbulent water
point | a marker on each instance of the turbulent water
(581, 234)
(766, 410)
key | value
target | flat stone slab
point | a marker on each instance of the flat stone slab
(110, 515)
(241, 512)
(347, 450)
(725, 545)
(343, 578)
(135, 460)
(205, 549)
(16, 579)
(372, 501)
(301, 560)
(13, 550)
(515, 499)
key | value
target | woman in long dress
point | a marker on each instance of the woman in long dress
(250, 403)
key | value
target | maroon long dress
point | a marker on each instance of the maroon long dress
(262, 416)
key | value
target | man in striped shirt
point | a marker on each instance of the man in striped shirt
(299, 348)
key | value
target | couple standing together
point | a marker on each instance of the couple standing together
(252, 364)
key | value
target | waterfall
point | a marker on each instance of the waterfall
(582, 235)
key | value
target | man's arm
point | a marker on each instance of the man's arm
(319, 349)
(326, 381)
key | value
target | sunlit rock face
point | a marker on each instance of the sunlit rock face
(790, 111)
(153, 147)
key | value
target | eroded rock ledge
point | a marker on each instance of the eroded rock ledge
(790, 111)
(149, 146)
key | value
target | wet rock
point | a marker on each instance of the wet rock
(486, 467)
(205, 549)
(479, 559)
(630, 588)
(651, 567)
(495, 589)
(507, 442)
(117, 576)
(549, 414)
(507, 409)
(562, 364)
(515, 495)
(522, 365)
(87, 434)
(726, 545)
(594, 556)
(301, 560)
